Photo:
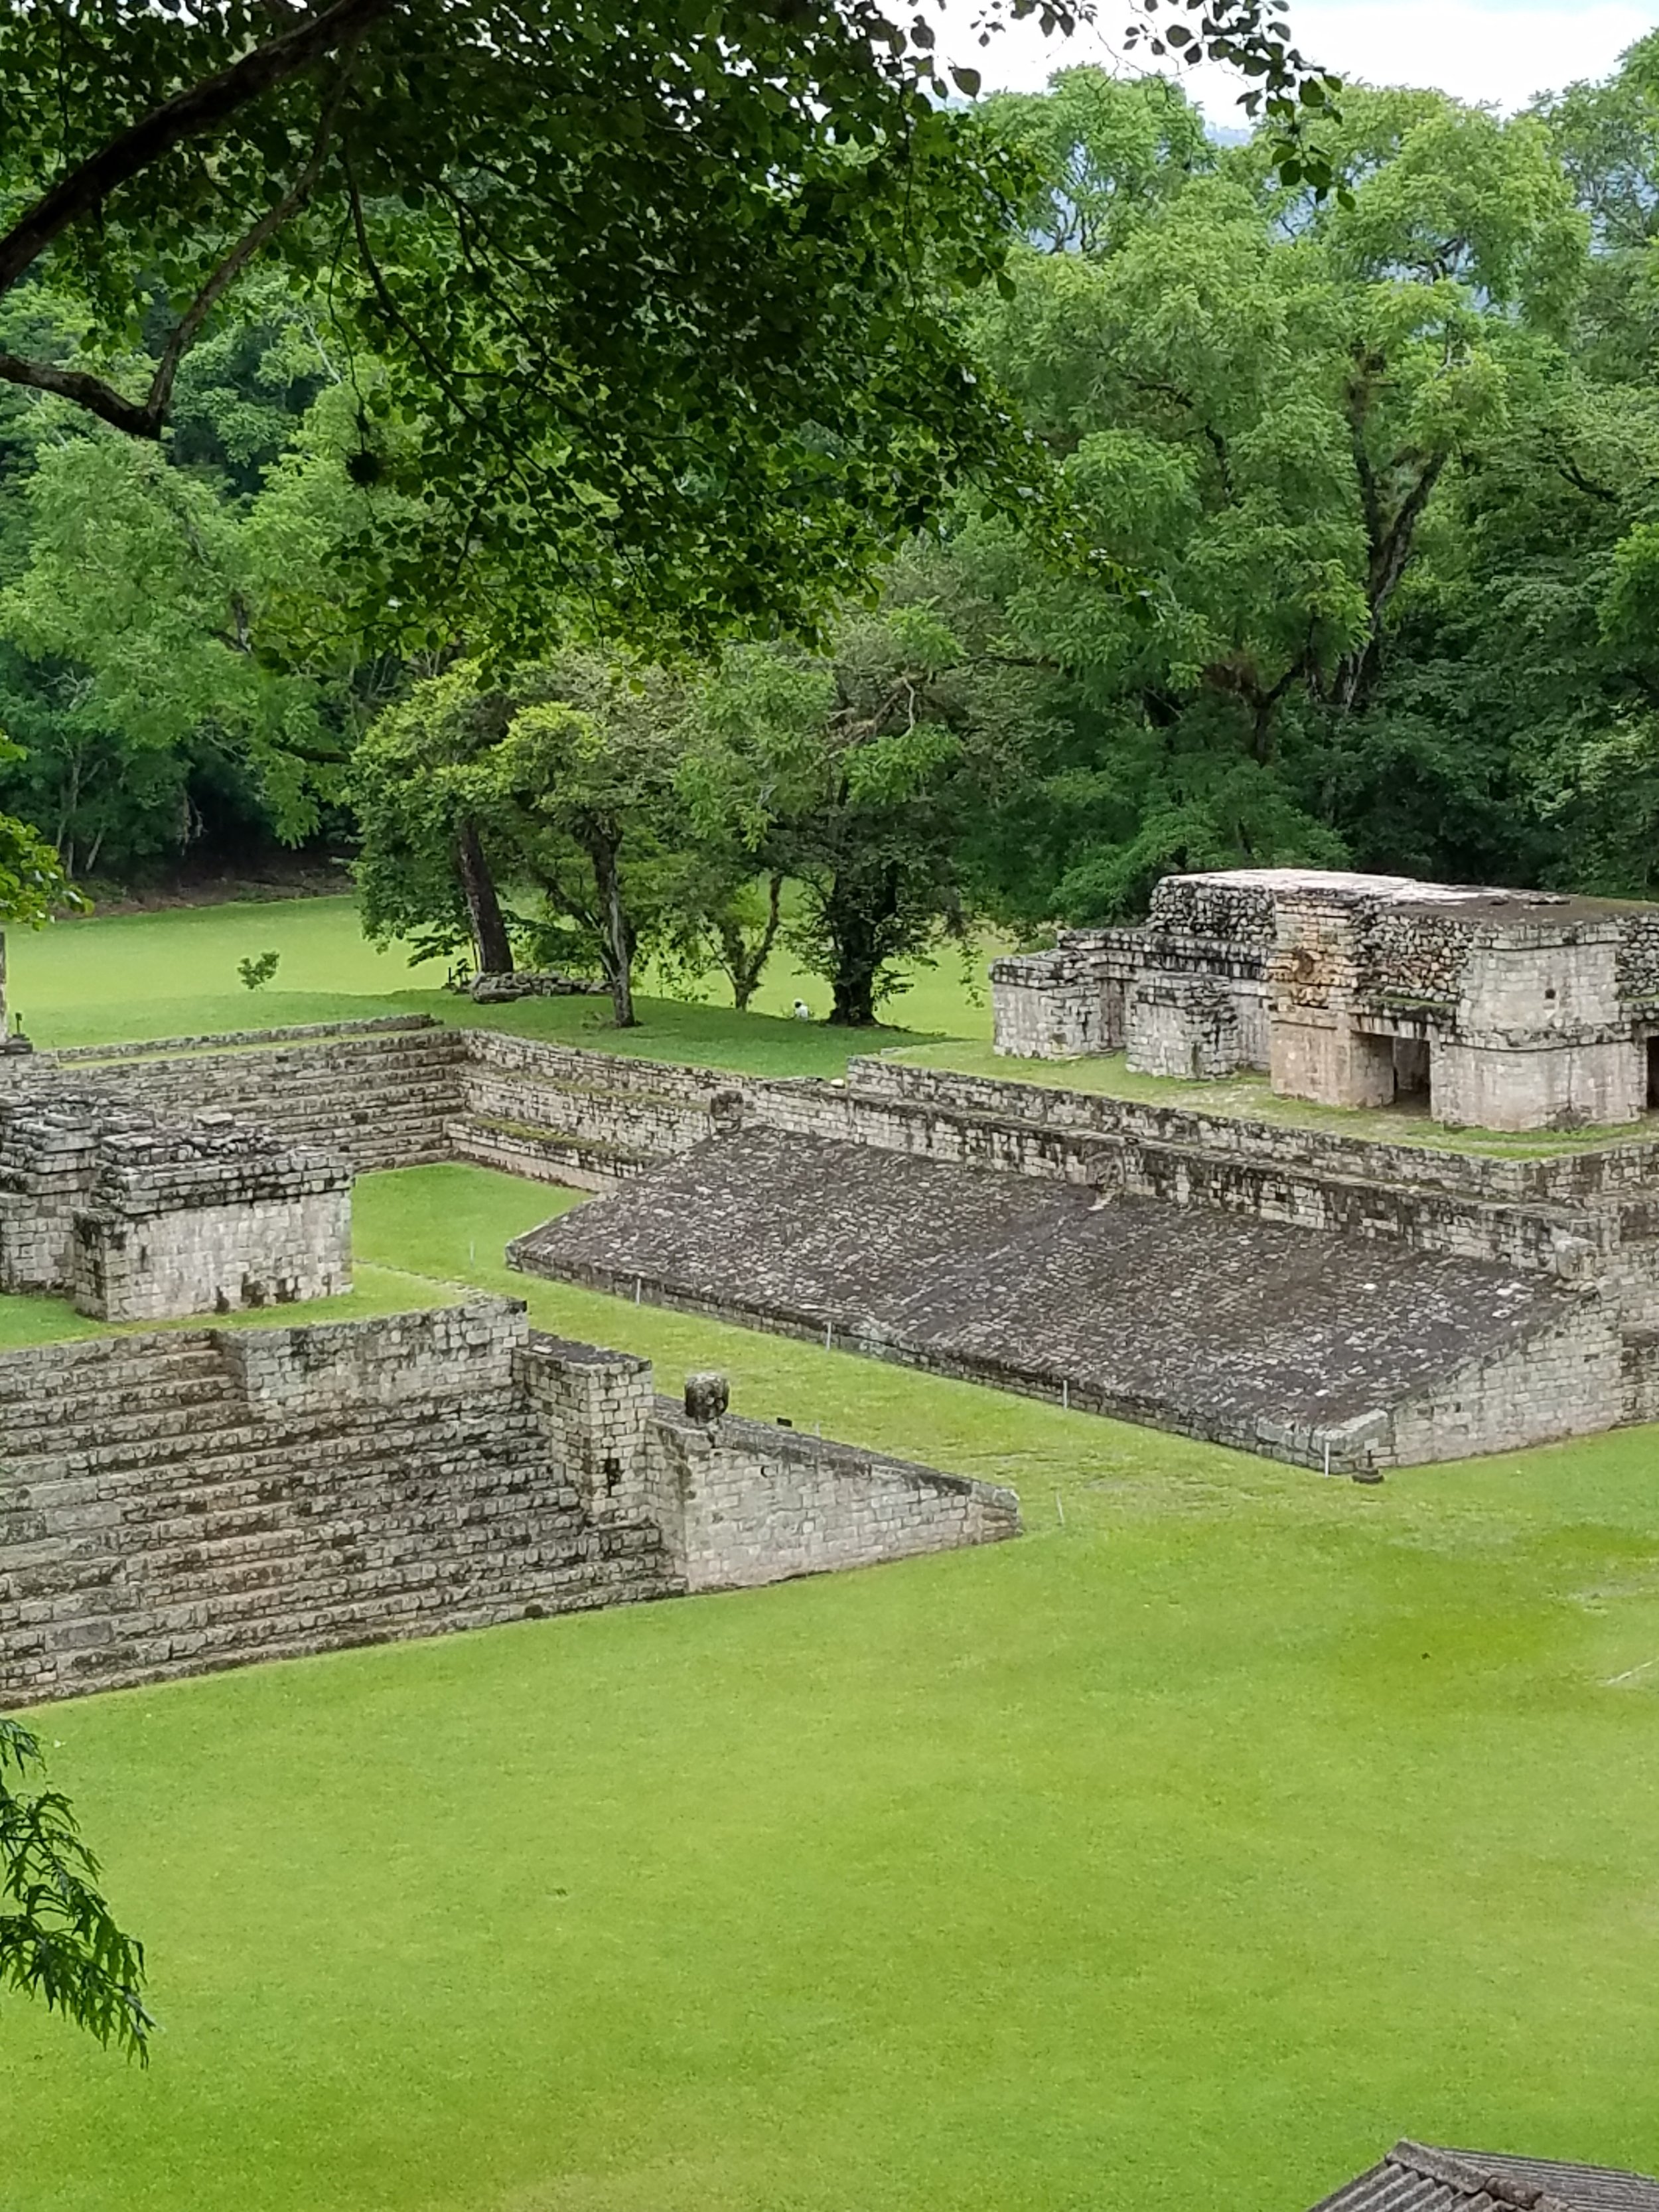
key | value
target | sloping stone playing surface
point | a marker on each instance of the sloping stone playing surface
(1207, 1321)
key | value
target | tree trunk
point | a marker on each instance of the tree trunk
(854, 1007)
(617, 954)
(490, 941)
(743, 963)
(855, 927)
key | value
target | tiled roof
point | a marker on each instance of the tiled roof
(1415, 2178)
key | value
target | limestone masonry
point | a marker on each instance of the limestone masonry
(1309, 1257)
(174, 1502)
(136, 1219)
(1510, 1010)
(1336, 1351)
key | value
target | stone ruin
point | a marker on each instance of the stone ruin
(137, 1218)
(194, 1499)
(1504, 1009)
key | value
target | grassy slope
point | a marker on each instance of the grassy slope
(1226, 1831)
(1194, 1847)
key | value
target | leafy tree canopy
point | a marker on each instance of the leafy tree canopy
(664, 290)
(33, 885)
(1255, 396)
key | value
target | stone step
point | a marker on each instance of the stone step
(545, 1155)
(72, 1387)
(228, 1634)
(226, 1443)
(162, 1408)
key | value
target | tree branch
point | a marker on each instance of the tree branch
(161, 389)
(90, 392)
(201, 107)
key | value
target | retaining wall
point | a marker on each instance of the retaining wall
(1577, 1217)
(377, 1094)
(174, 1503)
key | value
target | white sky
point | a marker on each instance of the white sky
(1502, 50)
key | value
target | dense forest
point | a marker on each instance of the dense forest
(1341, 545)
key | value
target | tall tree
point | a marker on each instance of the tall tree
(1256, 398)
(552, 781)
(859, 774)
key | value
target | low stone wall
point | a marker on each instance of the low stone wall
(758, 1504)
(1559, 1178)
(608, 1115)
(174, 1503)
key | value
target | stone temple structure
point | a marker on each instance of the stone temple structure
(137, 1218)
(1505, 1008)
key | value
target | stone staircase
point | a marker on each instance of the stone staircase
(202, 1533)
(593, 1119)
(379, 1094)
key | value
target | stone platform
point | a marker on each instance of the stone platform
(1290, 1342)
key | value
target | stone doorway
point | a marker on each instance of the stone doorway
(1411, 1067)
(1653, 1072)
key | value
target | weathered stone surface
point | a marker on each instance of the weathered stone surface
(395, 1093)
(174, 1503)
(759, 1505)
(706, 1398)
(1517, 1009)
(1251, 1332)
(491, 989)
(142, 1221)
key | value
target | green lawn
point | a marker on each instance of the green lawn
(173, 973)
(1229, 1825)
(1188, 1850)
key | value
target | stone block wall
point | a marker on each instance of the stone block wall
(761, 1505)
(49, 1158)
(1194, 1027)
(357, 1368)
(174, 1503)
(1568, 1382)
(602, 1101)
(1540, 1084)
(140, 1222)
(1228, 912)
(377, 1094)
(1059, 1005)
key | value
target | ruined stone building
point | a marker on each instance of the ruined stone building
(1502, 1009)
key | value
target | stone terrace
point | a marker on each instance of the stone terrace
(1248, 1332)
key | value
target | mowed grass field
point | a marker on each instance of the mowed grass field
(1229, 1825)
(174, 973)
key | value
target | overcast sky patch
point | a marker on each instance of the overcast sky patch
(1499, 51)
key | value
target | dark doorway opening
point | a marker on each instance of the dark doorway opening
(1653, 1071)
(1411, 1067)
